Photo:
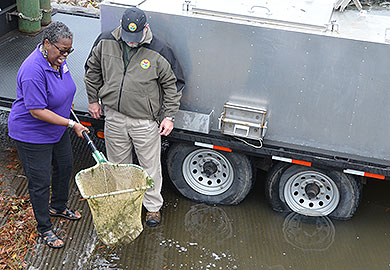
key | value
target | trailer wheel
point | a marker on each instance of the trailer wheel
(209, 176)
(313, 192)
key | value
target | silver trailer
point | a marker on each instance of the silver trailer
(296, 87)
(293, 87)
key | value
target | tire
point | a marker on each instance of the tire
(332, 193)
(209, 176)
(272, 187)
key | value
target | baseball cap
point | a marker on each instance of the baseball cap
(133, 24)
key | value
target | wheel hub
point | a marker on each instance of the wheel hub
(311, 193)
(312, 190)
(209, 168)
(208, 172)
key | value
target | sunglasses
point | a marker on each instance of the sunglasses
(63, 52)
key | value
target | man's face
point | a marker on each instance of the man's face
(136, 44)
(133, 44)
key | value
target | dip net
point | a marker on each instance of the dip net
(114, 193)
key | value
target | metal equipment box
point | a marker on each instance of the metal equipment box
(243, 121)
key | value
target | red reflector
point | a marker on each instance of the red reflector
(373, 175)
(86, 124)
(300, 162)
(100, 134)
(222, 148)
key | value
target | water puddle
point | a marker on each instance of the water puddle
(251, 236)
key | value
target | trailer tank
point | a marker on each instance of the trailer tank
(284, 81)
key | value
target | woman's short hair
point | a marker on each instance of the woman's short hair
(55, 31)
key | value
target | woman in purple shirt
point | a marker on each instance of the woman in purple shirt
(38, 123)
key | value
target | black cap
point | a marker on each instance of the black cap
(133, 24)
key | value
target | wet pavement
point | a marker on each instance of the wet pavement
(252, 236)
(198, 236)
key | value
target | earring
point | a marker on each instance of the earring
(45, 52)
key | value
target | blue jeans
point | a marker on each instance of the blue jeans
(42, 163)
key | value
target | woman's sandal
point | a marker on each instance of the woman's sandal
(69, 214)
(50, 239)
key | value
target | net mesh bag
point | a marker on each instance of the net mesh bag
(114, 193)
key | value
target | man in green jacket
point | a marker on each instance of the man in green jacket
(139, 81)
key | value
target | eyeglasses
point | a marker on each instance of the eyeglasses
(63, 52)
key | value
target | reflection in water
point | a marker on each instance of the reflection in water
(308, 233)
(211, 222)
(208, 227)
(143, 253)
(198, 246)
(276, 267)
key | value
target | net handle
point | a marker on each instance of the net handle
(95, 152)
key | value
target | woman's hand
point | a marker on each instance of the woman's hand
(79, 128)
(53, 118)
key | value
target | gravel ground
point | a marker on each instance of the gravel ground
(375, 4)
(79, 3)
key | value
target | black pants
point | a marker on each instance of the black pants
(42, 163)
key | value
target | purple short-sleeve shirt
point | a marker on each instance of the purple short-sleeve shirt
(39, 86)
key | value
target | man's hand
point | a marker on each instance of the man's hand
(95, 110)
(166, 127)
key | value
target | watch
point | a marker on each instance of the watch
(71, 123)
(170, 119)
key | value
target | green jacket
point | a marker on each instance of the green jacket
(150, 87)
